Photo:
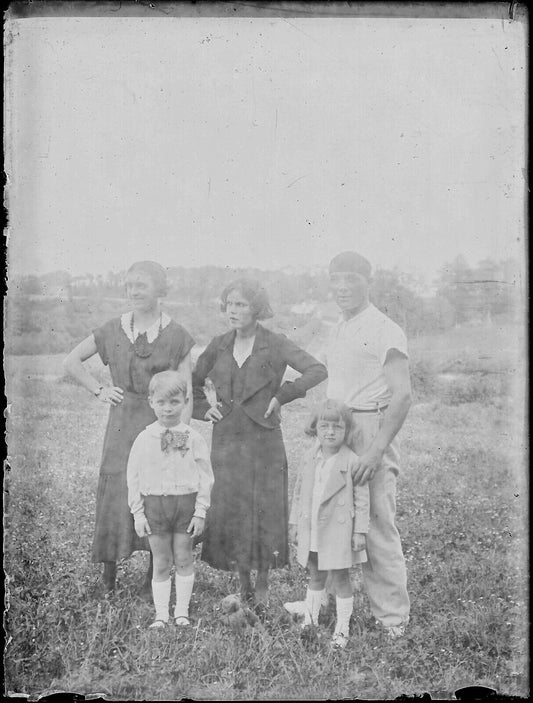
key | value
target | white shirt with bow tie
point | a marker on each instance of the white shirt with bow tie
(152, 471)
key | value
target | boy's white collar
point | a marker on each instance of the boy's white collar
(156, 428)
(151, 332)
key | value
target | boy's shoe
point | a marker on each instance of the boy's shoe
(339, 640)
(157, 624)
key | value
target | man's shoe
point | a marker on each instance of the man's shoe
(339, 640)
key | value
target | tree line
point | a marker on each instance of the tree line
(65, 306)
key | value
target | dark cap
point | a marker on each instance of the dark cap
(350, 262)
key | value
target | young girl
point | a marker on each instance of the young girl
(329, 515)
(169, 486)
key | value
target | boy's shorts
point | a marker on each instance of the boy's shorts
(169, 514)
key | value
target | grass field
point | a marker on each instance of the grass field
(461, 512)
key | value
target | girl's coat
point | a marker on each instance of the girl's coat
(344, 510)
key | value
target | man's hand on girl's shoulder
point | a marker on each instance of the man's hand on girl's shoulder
(369, 463)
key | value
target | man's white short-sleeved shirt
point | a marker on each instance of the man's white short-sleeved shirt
(355, 356)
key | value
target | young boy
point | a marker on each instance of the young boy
(169, 486)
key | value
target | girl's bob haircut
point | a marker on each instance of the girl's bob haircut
(168, 384)
(331, 411)
(253, 292)
(155, 272)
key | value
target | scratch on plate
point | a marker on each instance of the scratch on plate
(497, 58)
(297, 179)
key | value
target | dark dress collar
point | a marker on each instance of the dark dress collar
(260, 342)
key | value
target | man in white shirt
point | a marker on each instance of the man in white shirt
(368, 370)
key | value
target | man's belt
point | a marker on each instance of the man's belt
(370, 410)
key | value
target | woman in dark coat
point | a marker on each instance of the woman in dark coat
(135, 346)
(247, 524)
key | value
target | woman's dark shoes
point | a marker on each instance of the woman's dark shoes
(101, 590)
(261, 610)
(247, 596)
(246, 592)
(109, 577)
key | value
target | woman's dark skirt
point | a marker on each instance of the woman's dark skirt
(114, 536)
(247, 523)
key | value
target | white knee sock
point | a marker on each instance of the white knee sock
(313, 601)
(344, 611)
(184, 586)
(161, 594)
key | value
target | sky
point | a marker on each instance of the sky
(264, 142)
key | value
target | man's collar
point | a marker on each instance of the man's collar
(358, 316)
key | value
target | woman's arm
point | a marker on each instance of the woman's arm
(313, 373)
(185, 368)
(204, 364)
(73, 364)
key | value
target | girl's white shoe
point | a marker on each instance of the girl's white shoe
(182, 621)
(299, 607)
(296, 607)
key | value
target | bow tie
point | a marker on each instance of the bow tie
(172, 441)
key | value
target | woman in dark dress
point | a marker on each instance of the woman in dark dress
(247, 523)
(135, 346)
